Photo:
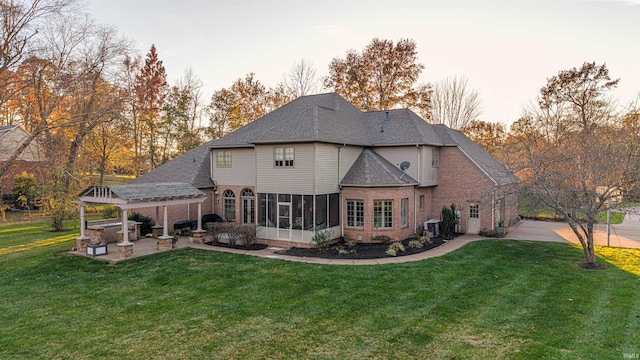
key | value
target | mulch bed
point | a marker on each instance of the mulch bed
(360, 250)
(237, 246)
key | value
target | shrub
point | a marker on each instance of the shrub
(27, 191)
(215, 231)
(448, 220)
(109, 212)
(350, 243)
(385, 239)
(145, 226)
(248, 234)
(425, 240)
(394, 248)
(322, 239)
(234, 233)
(416, 244)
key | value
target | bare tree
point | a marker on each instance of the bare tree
(575, 158)
(453, 104)
(302, 79)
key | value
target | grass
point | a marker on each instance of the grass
(530, 209)
(490, 299)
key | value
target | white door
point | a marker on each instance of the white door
(473, 218)
(248, 210)
(284, 221)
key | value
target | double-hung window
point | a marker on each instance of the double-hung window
(404, 211)
(355, 213)
(283, 156)
(223, 158)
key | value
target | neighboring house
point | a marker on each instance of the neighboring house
(320, 163)
(11, 137)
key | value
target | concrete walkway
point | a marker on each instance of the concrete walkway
(625, 235)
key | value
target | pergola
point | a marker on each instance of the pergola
(133, 196)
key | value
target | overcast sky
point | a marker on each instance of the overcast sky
(507, 49)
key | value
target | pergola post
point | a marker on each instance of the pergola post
(83, 240)
(199, 216)
(125, 248)
(165, 221)
(197, 236)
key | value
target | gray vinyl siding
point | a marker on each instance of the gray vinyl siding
(326, 171)
(348, 156)
(298, 179)
(242, 171)
(429, 173)
(12, 139)
(398, 154)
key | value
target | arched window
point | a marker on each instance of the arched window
(247, 193)
(229, 205)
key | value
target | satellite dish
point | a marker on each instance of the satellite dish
(404, 165)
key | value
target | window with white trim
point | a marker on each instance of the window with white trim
(355, 213)
(223, 158)
(404, 211)
(283, 156)
(435, 158)
(229, 205)
(383, 214)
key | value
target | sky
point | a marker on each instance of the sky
(506, 49)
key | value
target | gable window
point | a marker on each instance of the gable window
(355, 213)
(382, 214)
(223, 158)
(283, 156)
(404, 210)
(229, 205)
(435, 158)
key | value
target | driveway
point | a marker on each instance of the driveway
(625, 235)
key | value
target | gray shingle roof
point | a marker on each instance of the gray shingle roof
(193, 167)
(331, 118)
(140, 193)
(371, 169)
(497, 172)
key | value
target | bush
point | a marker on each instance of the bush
(448, 221)
(248, 234)
(145, 227)
(109, 212)
(425, 240)
(215, 231)
(322, 239)
(27, 191)
(234, 233)
(416, 244)
(394, 248)
(385, 239)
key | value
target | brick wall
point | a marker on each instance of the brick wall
(368, 195)
(176, 213)
(237, 190)
(461, 182)
(7, 181)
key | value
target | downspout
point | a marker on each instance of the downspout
(342, 213)
(493, 209)
(415, 206)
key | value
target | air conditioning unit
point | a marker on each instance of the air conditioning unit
(432, 226)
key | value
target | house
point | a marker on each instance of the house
(319, 163)
(12, 137)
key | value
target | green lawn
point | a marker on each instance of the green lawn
(490, 299)
(530, 209)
